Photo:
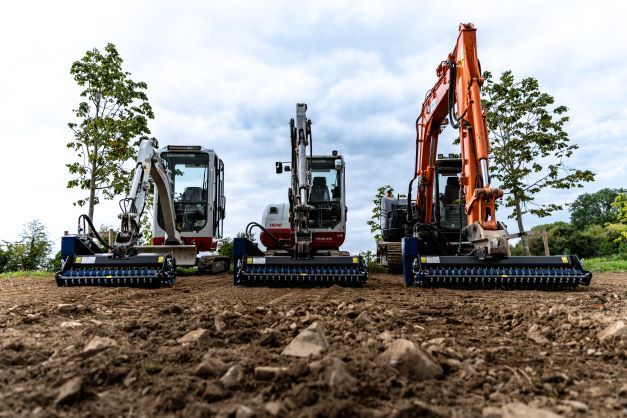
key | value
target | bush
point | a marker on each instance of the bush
(30, 252)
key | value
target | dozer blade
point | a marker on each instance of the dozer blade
(468, 272)
(185, 255)
(142, 270)
(253, 268)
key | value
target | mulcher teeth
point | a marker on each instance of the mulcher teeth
(283, 271)
(490, 277)
(145, 270)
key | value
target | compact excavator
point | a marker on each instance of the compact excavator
(449, 235)
(303, 237)
(188, 212)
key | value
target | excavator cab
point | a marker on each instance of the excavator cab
(327, 192)
(448, 206)
(198, 196)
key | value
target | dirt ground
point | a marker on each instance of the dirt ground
(118, 351)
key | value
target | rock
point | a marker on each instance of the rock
(535, 334)
(385, 336)
(219, 323)
(196, 335)
(233, 376)
(410, 360)
(213, 392)
(578, 406)
(244, 411)
(623, 390)
(492, 412)
(70, 324)
(273, 407)
(269, 372)
(210, 367)
(70, 391)
(436, 341)
(615, 329)
(199, 410)
(333, 372)
(66, 308)
(310, 341)
(520, 410)
(418, 408)
(363, 319)
(97, 344)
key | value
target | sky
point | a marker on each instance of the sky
(227, 75)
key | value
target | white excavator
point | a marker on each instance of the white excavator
(189, 208)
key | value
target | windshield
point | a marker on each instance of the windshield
(190, 180)
(450, 210)
(325, 194)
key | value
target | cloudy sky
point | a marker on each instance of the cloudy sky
(227, 75)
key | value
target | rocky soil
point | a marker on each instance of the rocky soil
(206, 348)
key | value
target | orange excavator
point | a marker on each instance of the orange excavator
(450, 236)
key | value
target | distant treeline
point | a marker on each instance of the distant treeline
(598, 227)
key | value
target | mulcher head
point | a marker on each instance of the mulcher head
(253, 268)
(82, 267)
(542, 273)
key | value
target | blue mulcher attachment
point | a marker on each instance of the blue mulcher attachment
(84, 264)
(253, 268)
(527, 272)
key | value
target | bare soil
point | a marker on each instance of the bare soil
(495, 347)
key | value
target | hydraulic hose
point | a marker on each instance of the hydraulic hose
(87, 219)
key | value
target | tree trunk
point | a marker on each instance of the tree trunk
(92, 189)
(521, 228)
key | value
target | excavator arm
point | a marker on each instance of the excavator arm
(149, 167)
(455, 99)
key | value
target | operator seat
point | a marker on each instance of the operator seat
(319, 190)
(192, 195)
(451, 191)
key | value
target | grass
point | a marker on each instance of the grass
(11, 274)
(617, 263)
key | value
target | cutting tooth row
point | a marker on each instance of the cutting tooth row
(495, 277)
(133, 277)
(115, 282)
(302, 276)
(98, 272)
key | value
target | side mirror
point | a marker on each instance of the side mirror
(223, 207)
(339, 164)
(278, 167)
(287, 168)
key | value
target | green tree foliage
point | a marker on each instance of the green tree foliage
(620, 204)
(225, 245)
(529, 145)
(565, 238)
(371, 261)
(111, 119)
(375, 220)
(595, 208)
(30, 252)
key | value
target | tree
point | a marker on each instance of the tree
(225, 247)
(595, 208)
(375, 220)
(620, 204)
(31, 251)
(112, 119)
(529, 145)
